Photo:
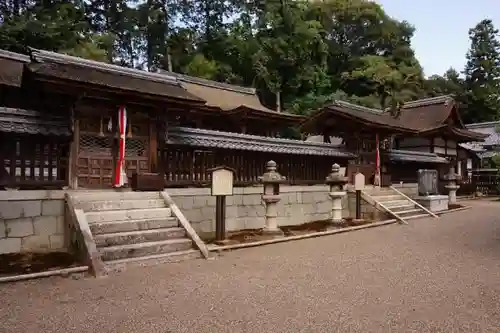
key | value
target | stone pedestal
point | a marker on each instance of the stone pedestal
(337, 206)
(452, 186)
(271, 196)
(452, 193)
(336, 182)
(271, 227)
(434, 203)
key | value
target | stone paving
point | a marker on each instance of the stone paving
(430, 276)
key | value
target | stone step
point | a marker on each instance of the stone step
(95, 206)
(409, 211)
(395, 203)
(131, 214)
(132, 225)
(391, 197)
(400, 208)
(155, 259)
(144, 249)
(82, 196)
(134, 237)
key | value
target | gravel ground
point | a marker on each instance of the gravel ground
(430, 276)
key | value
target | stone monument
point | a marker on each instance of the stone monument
(428, 191)
(271, 180)
(336, 182)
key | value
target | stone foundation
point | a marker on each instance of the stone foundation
(434, 203)
(31, 221)
(34, 220)
(245, 209)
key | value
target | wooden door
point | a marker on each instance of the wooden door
(97, 148)
(137, 146)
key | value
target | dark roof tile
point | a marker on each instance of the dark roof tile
(32, 122)
(235, 141)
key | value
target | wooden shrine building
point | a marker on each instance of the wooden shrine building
(424, 134)
(59, 128)
(59, 123)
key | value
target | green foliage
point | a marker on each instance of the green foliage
(482, 73)
(202, 67)
(305, 52)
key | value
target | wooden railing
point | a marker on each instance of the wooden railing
(485, 183)
(33, 162)
(187, 166)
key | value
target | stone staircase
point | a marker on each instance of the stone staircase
(133, 228)
(396, 204)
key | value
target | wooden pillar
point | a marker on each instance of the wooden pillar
(73, 156)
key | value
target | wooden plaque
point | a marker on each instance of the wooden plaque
(222, 181)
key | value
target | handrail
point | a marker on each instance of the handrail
(399, 218)
(85, 238)
(414, 202)
(185, 224)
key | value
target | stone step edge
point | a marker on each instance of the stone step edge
(407, 211)
(133, 221)
(125, 210)
(118, 201)
(144, 244)
(153, 257)
(137, 232)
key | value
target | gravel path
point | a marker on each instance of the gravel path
(430, 276)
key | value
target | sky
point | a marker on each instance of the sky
(441, 38)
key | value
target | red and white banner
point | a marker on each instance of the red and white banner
(376, 179)
(120, 175)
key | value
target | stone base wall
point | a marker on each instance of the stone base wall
(245, 209)
(31, 221)
(410, 189)
(368, 212)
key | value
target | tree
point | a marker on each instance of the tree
(482, 74)
(50, 26)
(292, 55)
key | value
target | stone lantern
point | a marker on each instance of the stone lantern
(271, 180)
(336, 183)
(452, 186)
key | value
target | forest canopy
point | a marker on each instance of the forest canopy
(299, 54)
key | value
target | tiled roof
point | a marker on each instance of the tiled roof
(489, 128)
(235, 141)
(107, 75)
(228, 97)
(415, 117)
(414, 156)
(11, 68)
(32, 122)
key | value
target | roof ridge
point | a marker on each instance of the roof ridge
(14, 56)
(428, 101)
(357, 107)
(41, 55)
(485, 123)
(211, 83)
(235, 136)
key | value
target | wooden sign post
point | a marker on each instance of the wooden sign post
(359, 185)
(222, 186)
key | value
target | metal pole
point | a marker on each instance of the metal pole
(358, 205)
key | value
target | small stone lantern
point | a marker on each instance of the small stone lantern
(452, 186)
(336, 183)
(271, 196)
